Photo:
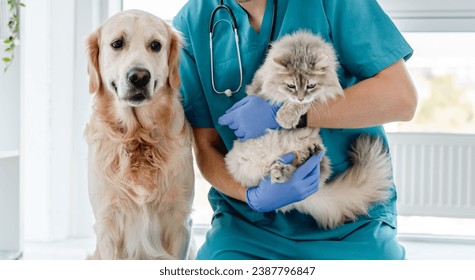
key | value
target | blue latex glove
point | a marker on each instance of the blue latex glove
(250, 117)
(268, 197)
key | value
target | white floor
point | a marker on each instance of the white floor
(417, 248)
(434, 249)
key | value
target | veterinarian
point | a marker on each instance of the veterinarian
(378, 90)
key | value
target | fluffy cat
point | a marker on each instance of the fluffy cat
(299, 72)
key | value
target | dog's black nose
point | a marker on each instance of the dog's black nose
(138, 77)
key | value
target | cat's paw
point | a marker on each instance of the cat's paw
(315, 149)
(302, 155)
(287, 119)
(280, 172)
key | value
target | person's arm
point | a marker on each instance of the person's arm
(209, 153)
(388, 96)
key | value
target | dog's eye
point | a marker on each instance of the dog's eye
(117, 44)
(156, 46)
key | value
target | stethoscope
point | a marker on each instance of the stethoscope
(233, 24)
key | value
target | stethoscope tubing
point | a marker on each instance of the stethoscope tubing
(227, 92)
(234, 26)
(219, 7)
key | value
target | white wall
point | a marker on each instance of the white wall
(9, 103)
(10, 214)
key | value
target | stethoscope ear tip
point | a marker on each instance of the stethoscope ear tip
(228, 92)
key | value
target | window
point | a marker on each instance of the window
(443, 70)
(442, 36)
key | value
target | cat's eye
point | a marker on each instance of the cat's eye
(117, 44)
(310, 86)
(291, 86)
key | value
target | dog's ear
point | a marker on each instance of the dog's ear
(92, 48)
(174, 59)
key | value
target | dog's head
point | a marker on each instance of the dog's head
(131, 56)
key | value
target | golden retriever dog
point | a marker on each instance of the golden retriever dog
(140, 164)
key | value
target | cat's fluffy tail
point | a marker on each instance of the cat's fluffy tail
(351, 193)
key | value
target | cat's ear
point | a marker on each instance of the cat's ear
(282, 60)
(322, 64)
(324, 61)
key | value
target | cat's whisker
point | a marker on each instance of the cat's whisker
(322, 109)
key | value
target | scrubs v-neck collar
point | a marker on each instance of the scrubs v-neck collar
(246, 31)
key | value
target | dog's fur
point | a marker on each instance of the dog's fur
(140, 161)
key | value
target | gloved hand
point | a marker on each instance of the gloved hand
(250, 117)
(268, 197)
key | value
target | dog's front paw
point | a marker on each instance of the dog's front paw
(280, 172)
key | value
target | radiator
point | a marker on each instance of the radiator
(434, 174)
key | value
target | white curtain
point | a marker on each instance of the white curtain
(55, 106)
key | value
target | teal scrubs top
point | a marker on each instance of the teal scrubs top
(366, 41)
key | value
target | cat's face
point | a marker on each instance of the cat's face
(304, 79)
(300, 68)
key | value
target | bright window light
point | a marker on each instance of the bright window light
(163, 9)
(443, 71)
